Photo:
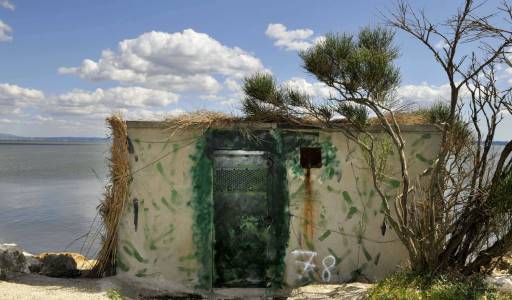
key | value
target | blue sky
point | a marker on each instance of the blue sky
(47, 89)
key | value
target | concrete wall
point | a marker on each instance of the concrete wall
(161, 246)
(335, 225)
(349, 238)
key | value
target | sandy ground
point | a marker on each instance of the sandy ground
(41, 287)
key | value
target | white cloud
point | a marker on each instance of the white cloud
(119, 97)
(5, 32)
(9, 121)
(146, 115)
(291, 40)
(180, 61)
(506, 73)
(211, 97)
(80, 106)
(232, 85)
(43, 119)
(78, 112)
(505, 113)
(99, 103)
(14, 91)
(227, 100)
(441, 44)
(7, 4)
(231, 98)
(505, 69)
(315, 89)
(232, 102)
(423, 94)
(14, 98)
(419, 95)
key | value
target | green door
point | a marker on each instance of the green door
(241, 217)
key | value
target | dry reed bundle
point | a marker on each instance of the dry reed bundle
(200, 117)
(201, 120)
(207, 119)
(115, 194)
(403, 118)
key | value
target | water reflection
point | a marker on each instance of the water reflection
(49, 194)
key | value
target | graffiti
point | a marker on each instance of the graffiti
(308, 264)
(326, 273)
(307, 258)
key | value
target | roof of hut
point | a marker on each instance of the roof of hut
(208, 119)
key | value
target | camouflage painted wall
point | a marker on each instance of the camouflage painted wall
(156, 237)
(331, 223)
(337, 223)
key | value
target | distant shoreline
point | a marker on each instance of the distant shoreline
(50, 142)
(6, 138)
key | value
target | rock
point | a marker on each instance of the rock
(34, 265)
(503, 266)
(346, 291)
(12, 260)
(82, 263)
(502, 283)
(58, 265)
(87, 265)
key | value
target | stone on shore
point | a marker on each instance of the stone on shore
(58, 265)
(502, 283)
(34, 265)
(82, 263)
(12, 260)
(346, 291)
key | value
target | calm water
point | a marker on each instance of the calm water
(49, 194)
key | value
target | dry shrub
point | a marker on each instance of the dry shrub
(115, 196)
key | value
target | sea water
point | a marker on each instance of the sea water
(49, 195)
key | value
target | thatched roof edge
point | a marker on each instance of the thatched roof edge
(264, 125)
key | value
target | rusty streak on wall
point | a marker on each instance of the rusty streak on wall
(309, 207)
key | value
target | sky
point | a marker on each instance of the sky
(66, 65)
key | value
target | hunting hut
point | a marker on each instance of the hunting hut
(217, 205)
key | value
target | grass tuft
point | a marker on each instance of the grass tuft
(411, 286)
(112, 294)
